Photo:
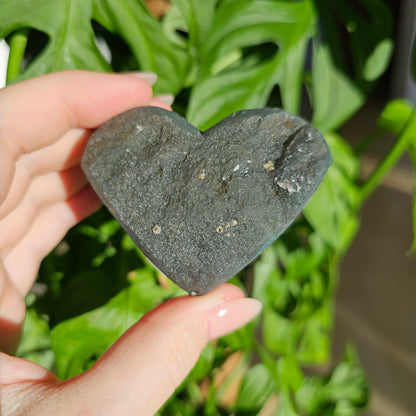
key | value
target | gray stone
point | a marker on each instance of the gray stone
(201, 206)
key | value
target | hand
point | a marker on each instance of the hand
(45, 124)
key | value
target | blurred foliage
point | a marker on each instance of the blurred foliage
(318, 58)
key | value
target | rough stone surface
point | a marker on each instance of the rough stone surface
(201, 206)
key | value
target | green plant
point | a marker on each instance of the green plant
(217, 57)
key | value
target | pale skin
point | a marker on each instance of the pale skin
(44, 126)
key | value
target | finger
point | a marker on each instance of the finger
(21, 384)
(37, 112)
(44, 191)
(157, 102)
(66, 100)
(142, 369)
(17, 370)
(12, 313)
(22, 262)
(60, 155)
(65, 153)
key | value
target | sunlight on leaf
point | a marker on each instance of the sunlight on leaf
(35, 344)
(335, 96)
(395, 116)
(248, 85)
(378, 61)
(257, 386)
(72, 42)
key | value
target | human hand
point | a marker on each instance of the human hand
(45, 124)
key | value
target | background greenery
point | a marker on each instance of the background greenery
(317, 58)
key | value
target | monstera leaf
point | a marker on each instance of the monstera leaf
(72, 43)
(262, 44)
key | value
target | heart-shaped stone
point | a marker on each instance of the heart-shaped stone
(201, 206)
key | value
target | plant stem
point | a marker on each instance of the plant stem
(407, 135)
(366, 143)
(18, 42)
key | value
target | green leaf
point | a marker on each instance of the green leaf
(378, 60)
(255, 389)
(35, 343)
(344, 408)
(300, 258)
(342, 393)
(198, 17)
(265, 270)
(332, 209)
(412, 153)
(310, 396)
(249, 78)
(300, 285)
(149, 45)
(79, 342)
(72, 42)
(204, 364)
(291, 76)
(297, 317)
(241, 23)
(289, 372)
(351, 51)
(286, 406)
(335, 96)
(280, 334)
(395, 116)
(315, 341)
(404, 142)
(218, 96)
(347, 382)
(67, 23)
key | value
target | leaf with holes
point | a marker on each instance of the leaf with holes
(251, 47)
(72, 42)
(67, 24)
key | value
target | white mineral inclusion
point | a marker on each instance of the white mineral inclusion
(288, 186)
(269, 166)
(236, 168)
(220, 229)
(139, 127)
(157, 229)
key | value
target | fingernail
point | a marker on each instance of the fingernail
(150, 77)
(166, 98)
(230, 315)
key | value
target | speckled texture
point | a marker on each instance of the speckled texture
(201, 206)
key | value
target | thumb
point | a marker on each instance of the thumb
(143, 368)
